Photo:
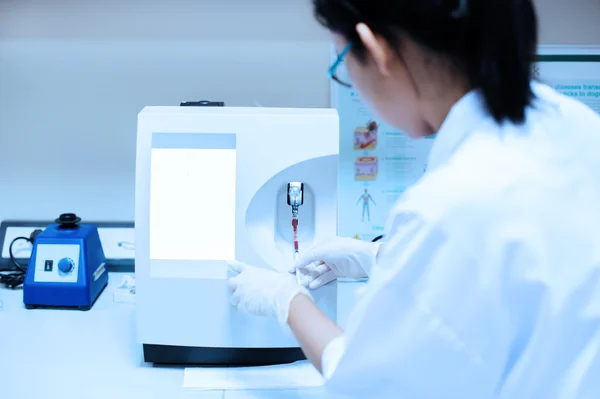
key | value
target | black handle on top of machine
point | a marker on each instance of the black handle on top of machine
(68, 221)
(202, 104)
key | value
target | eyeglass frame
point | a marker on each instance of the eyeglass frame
(333, 68)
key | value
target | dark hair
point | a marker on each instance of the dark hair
(493, 42)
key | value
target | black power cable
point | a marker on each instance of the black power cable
(15, 278)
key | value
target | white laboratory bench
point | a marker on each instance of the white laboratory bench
(93, 355)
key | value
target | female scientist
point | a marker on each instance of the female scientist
(488, 282)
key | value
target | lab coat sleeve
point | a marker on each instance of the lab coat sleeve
(331, 355)
(433, 321)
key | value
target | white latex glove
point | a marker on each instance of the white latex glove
(262, 292)
(339, 257)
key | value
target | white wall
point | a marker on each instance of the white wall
(75, 73)
(569, 21)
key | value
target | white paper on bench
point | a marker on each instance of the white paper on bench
(299, 375)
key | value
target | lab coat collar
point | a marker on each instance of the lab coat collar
(462, 119)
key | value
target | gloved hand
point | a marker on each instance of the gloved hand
(263, 292)
(339, 257)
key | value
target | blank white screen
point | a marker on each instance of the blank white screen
(192, 204)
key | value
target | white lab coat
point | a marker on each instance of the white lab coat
(488, 285)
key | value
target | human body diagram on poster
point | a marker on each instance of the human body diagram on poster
(366, 166)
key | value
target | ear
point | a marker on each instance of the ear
(376, 46)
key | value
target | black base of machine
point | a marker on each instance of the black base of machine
(171, 355)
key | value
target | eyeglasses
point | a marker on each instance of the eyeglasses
(333, 69)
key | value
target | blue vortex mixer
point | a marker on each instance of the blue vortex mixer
(67, 267)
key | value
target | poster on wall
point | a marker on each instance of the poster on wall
(377, 163)
(572, 71)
